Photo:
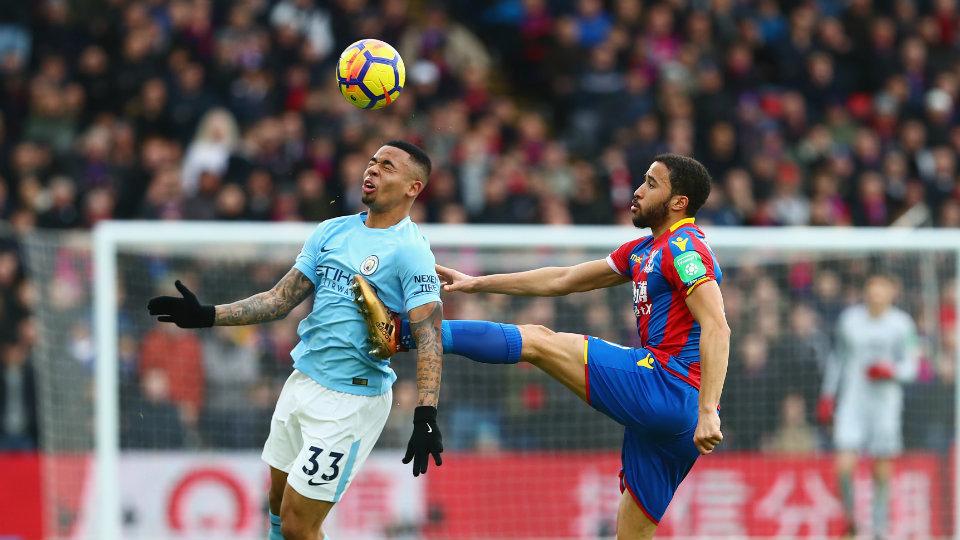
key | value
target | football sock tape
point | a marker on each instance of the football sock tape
(274, 528)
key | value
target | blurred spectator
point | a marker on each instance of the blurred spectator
(309, 21)
(164, 198)
(447, 44)
(15, 37)
(795, 434)
(154, 421)
(800, 356)
(18, 399)
(177, 356)
(62, 212)
(231, 370)
(210, 150)
(751, 394)
(396, 431)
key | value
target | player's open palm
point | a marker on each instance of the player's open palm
(185, 312)
(707, 435)
(454, 280)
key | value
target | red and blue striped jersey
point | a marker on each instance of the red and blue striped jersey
(664, 271)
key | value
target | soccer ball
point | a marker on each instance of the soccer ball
(370, 74)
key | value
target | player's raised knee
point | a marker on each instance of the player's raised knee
(532, 332)
(534, 335)
(536, 341)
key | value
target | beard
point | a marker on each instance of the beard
(652, 217)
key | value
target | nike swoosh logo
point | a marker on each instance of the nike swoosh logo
(429, 429)
(310, 482)
(325, 249)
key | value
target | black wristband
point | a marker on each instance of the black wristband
(208, 315)
(425, 413)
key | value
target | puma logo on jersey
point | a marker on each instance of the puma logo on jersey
(680, 242)
(646, 362)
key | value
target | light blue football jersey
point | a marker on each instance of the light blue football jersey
(397, 261)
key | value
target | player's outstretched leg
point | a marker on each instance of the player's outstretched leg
(487, 342)
(559, 354)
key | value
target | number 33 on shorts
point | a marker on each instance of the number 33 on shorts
(313, 466)
(322, 469)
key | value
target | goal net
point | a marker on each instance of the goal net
(150, 431)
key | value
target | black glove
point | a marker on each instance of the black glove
(425, 440)
(186, 312)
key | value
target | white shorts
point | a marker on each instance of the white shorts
(321, 437)
(876, 432)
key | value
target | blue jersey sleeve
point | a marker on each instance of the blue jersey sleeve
(306, 261)
(418, 277)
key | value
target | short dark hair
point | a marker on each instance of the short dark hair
(416, 154)
(688, 177)
(882, 276)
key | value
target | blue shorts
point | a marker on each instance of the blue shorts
(659, 413)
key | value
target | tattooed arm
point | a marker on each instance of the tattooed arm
(270, 305)
(425, 327)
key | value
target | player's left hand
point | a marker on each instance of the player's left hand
(708, 435)
(186, 312)
(425, 441)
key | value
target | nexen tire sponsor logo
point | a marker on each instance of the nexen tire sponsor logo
(428, 283)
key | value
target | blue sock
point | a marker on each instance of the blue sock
(274, 527)
(480, 341)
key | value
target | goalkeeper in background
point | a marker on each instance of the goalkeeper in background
(334, 406)
(876, 352)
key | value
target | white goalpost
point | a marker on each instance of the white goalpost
(785, 264)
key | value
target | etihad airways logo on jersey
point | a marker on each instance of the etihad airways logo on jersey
(333, 278)
(680, 242)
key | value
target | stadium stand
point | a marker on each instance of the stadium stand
(806, 113)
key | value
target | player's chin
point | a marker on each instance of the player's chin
(368, 198)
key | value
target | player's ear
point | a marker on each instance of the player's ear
(680, 203)
(415, 188)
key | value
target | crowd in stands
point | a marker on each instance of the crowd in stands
(819, 112)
